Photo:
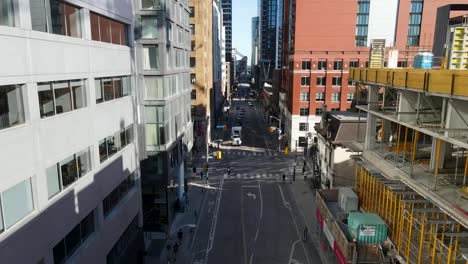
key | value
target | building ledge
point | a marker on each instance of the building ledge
(448, 199)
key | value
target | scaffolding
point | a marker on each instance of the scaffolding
(420, 231)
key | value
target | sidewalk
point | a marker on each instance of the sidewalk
(304, 195)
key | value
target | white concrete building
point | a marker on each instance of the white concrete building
(335, 132)
(69, 177)
(163, 43)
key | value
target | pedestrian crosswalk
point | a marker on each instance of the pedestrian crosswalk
(248, 153)
(253, 176)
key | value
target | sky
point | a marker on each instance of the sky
(243, 11)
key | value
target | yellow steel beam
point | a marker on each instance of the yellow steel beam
(410, 229)
(455, 248)
(434, 245)
(415, 145)
(400, 223)
(421, 238)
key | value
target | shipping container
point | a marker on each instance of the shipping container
(366, 227)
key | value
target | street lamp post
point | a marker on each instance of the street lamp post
(279, 131)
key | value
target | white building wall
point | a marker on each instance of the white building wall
(382, 21)
(294, 133)
(29, 57)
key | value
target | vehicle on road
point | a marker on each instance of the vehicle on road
(237, 107)
(241, 115)
(238, 123)
(236, 134)
(250, 103)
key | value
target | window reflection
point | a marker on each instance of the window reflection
(11, 106)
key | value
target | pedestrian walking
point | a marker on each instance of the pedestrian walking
(305, 235)
(229, 170)
(201, 175)
(284, 177)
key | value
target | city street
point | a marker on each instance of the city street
(250, 215)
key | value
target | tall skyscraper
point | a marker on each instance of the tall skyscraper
(166, 128)
(255, 39)
(226, 6)
(69, 176)
(319, 49)
(270, 31)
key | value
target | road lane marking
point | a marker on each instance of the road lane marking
(243, 226)
(251, 258)
(286, 204)
(256, 235)
(261, 203)
(292, 251)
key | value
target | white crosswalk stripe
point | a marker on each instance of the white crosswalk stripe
(252, 176)
(256, 154)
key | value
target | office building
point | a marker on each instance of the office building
(226, 6)
(217, 62)
(255, 40)
(165, 128)
(70, 179)
(319, 50)
(270, 29)
(201, 76)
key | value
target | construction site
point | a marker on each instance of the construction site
(412, 171)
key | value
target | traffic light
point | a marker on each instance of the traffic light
(219, 155)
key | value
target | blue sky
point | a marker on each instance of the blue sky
(243, 11)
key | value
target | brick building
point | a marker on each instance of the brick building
(322, 39)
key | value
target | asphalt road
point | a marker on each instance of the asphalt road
(250, 215)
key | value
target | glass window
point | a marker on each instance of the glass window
(118, 89)
(322, 65)
(59, 252)
(154, 88)
(305, 80)
(193, 95)
(318, 111)
(321, 80)
(337, 65)
(351, 83)
(53, 180)
(127, 88)
(349, 97)
(77, 236)
(95, 26)
(354, 64)
(303, 127)
(69, 171)
(112, 199)
(304, 111)
(150, 57)
(335, 97)
(73, 240)
(112, 148)
(306, 65)
(17, 202)
(150, 4)
(11, 106)
(193, 78)
(62, 94)
(129, 134)
(98, 89)
(192, 62)
(7, 13)
(46, 99)
(192, 28)
(108, 89)
(304, 96)
(102, 150)
(319, 97)
(64, 18)
(107, 30)
(79, 94)
(336, 80)
(148, 27)
(192, 11)
(123, 139)
(84, 162)
(87, 226)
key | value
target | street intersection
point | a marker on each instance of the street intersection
(249, 215)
